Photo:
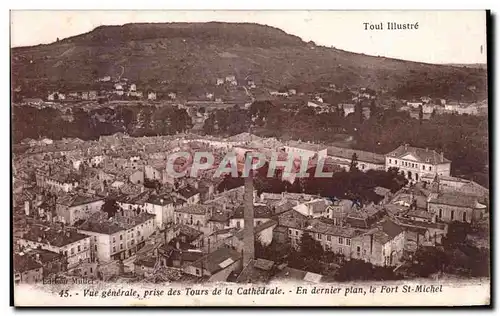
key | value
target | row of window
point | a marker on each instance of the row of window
(409, 164)
(319, 236)
(452, 215)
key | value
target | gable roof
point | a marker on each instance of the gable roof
(422, 155)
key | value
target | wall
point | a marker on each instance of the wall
(458, 211)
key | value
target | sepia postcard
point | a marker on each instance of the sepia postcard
(250, 158)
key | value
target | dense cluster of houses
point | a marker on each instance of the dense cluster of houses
(110, 209)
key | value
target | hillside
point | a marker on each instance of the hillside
(188, 57)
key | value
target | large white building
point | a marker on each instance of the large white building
(119, 237)
(73, 245)
(415, 162)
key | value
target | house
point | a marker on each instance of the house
(220, 81)
(190, 194)
(71, 208)
(85, 95)
(118, 89)
(262, 232)
(313, 208)
(230, 78)
(382, 245)
(152, 96)
(194, 215)
(455, 184)
(455, 206)
(117, 237)
(414, 104)
(262, 214)
(162, 206)
(415, 162)
(105, 79)
(57, 180)
(172, 95)
(217, 265)
(27, 269)
(331, 237)
(132, 88)
(348, 108)
(54, 96)
(73, 245)
(292, 92)
(421, 231)
(92, 95)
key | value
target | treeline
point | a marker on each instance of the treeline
(354, 184)
(137, 121)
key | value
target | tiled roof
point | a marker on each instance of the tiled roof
(292, 219)
(318, 226)
(24, 263)
(98, 223)
(363, 156)
(49, 235)
(259, 211)
(423, 155)
(193, 209)
(188, 192)
(456, 199)
(162, 200)
(217, 260)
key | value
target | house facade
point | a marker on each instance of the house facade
(415, 162)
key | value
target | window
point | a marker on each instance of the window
(358, 250)
(452, 215)
(423, 167)
(289, 231)
(390, 161)
(347, 241)
(91, 270)
(395, 162)
(258, 223)
(430, 168)
(341, 240)
(95, 247)
(95, 238)
(440, 213)
(198, 272)
(79, 248)
(114, 249)
(319, 236)
(362, 166)
(328, 237)
(296, 233)
(238, 225)
(121, 246)
(66, 252)
(114, 239)
(72, 251)
(341, 250)
(132, 242)
(121, 237)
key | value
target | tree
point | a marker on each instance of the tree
(110, 207)
(354, 162)
(310, 248)
(420, 113)
(373, 108)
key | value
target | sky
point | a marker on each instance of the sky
(441, 37)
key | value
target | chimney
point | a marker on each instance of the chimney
(442, 156)
(406, 146)
(248, 230)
